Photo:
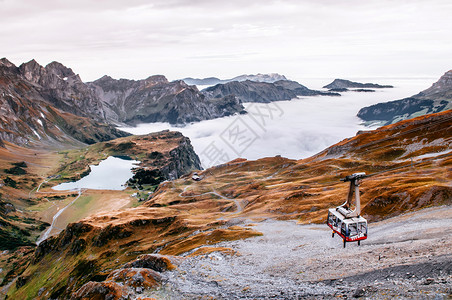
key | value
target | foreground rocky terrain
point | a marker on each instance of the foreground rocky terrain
(254, 219)
(404, 257)
(434, 99)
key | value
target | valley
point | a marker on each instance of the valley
(194, 224)
(175, 230)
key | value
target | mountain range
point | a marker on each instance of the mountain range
(270, 78)
(263, 92)
(155, 99)
(135, 243)
(437, 98)
(49, 106)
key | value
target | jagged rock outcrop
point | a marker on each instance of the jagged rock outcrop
(30, 112)
(343, 83)
(63, 89)
(437, 98)
(264, 92)
(156, 100)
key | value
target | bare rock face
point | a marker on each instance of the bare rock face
(156, 100)
(43, 106)
(64, 89)
(100, 290)
(156, 262)
(136, 277)
(437, 98)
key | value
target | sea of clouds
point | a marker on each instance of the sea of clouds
(294, 129)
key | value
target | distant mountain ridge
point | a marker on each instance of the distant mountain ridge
(263, 92)
(344, 84)
(155, 99)
(270, 78)
(437, 98)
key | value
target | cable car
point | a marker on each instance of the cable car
(344, 221)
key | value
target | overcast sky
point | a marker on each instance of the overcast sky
(200, 38)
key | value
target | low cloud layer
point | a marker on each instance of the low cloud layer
(295, 129)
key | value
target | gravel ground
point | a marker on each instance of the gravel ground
(403, 258)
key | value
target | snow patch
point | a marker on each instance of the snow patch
(40, 122)
(34, 131)
(42, 115)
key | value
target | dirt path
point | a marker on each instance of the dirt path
(405, 256)
(237, 202)
(46, 233)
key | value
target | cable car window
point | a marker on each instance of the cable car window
(343, 229)
(353, 229)
(362, 227)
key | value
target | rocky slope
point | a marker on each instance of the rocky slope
(156, 100)
(434, 99)
(270, 78)
(409, 163)
(264, 92)
(35, 102)
(345, 84)
(108, 100)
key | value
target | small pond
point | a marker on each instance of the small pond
(111, 174)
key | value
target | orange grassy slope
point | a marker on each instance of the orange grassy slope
(410, 168)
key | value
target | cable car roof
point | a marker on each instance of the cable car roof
(346, 220)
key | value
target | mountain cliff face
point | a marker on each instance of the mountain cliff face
(264, 92)
(108, 100)
(437, 98)
(157, 100)
(37, 114)
(344, 84)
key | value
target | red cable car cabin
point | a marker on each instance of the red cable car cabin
(347, 223)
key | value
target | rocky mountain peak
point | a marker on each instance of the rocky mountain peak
(442, 88)
(32, 71)
(7, 67)
(6, 63)
(155, 79)
(59, 69)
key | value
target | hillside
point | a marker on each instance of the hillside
(437, 98)
(183, 221)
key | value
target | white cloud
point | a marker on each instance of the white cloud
(297, 129)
